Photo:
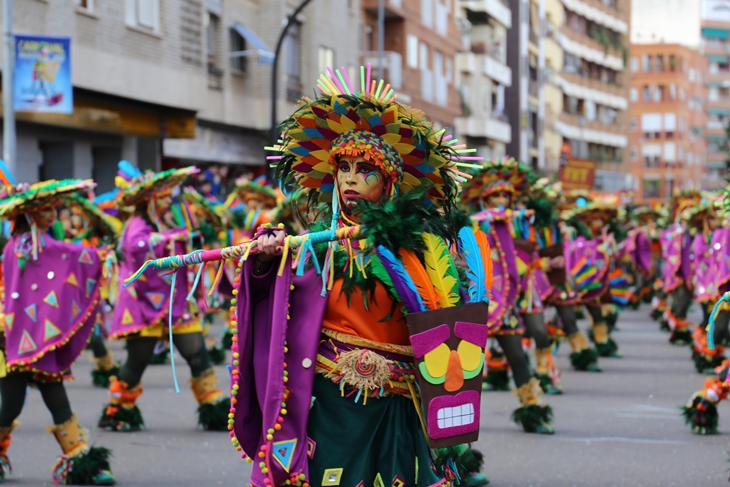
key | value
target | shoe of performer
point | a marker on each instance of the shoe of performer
(583, 357)
(122, 413)
(5, 438)
(706, 360)
(79, 464)
(700, 412)
(605, 346)
(546, 372)
(680, 333)
(105, 369)
(532, 415)
(213, 408)
(463, 463)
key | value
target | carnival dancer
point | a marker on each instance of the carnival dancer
(496, 188)
(141, 311)
(317, 354)
(91, 227)
(641, 242)
(588, 259)
(545, 200)
(50, 307)
(677, 271)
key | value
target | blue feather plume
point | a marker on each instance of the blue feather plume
(127, 169)
(476, 273)
(402, 282)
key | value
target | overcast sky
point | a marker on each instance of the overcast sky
(670, 21)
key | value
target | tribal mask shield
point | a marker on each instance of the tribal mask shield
(448, 345)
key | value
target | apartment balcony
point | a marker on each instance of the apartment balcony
(392, 65)
(472, 63)
(589, 49)
(578, 128)
(484, 126)
(498, 9)
(393, 8)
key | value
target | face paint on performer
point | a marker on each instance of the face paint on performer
(44, 218)
(498, 198)
(358, 179)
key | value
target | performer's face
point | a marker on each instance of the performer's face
(596, 225)
(163, 203)
(45, 218)
(714, 222)
(358, 179)
(497, 199)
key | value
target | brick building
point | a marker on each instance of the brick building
(168, 82)
(421, 39)
(667, 144)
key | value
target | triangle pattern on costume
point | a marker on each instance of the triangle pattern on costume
(132, 292)
(51, 330)
(127, 318)
(90, 283)
(31, 312)
(75, 309)
(332, 476)
(71, 279)
(142, 278)
(85, 257)
(9, 319)
(51, 299)
(727, 262)
(26, 343)
(156, 299)
(167, 278)
(378, 482)
(283, 452)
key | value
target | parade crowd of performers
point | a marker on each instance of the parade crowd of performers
(383, 285)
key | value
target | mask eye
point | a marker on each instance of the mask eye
(435, 364)
(471, 356)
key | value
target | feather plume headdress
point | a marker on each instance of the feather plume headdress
(367, 122)
(498, 175)
(137, 187)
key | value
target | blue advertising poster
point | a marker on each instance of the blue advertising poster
(43, 74)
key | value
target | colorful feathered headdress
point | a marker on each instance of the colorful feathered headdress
(499, 175)
(683, 199)
(41, 195)
(367, 121)
(137, 187)
(259, 189)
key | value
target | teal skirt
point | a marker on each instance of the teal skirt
(379, 444)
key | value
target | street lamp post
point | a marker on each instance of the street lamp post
(275, 69)
(9, 152)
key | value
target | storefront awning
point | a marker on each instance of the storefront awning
(718, 111)
(254, 44)
(713, 33)
(717, 58)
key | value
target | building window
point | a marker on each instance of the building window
(412, 51)
(660, 63)
(634, 94)
(86, 5)
(634, 125)
(426, 73)
(212, 25)
(646, 93)
(658, 93)
(292, 48)
(144, 13)
(634, 154)
(652, 188)
(634, 65)
(238, 45)
(672, 92)
(672, 62)
(427, 12)
(646, 63)
(325, 59)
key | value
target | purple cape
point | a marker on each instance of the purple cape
(506, 278)
(639, 250)
(675, 251)
(705, 272)
(50, 306)
(721, 247)
(263, 333)
(147, 300)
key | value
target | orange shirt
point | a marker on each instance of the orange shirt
(355, 319)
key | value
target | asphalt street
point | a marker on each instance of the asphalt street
(621, 427)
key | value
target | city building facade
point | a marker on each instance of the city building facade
(420, 42)
(594, 83)
(668, 148)
(484, 77)
(715, 46)
(163, 83)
